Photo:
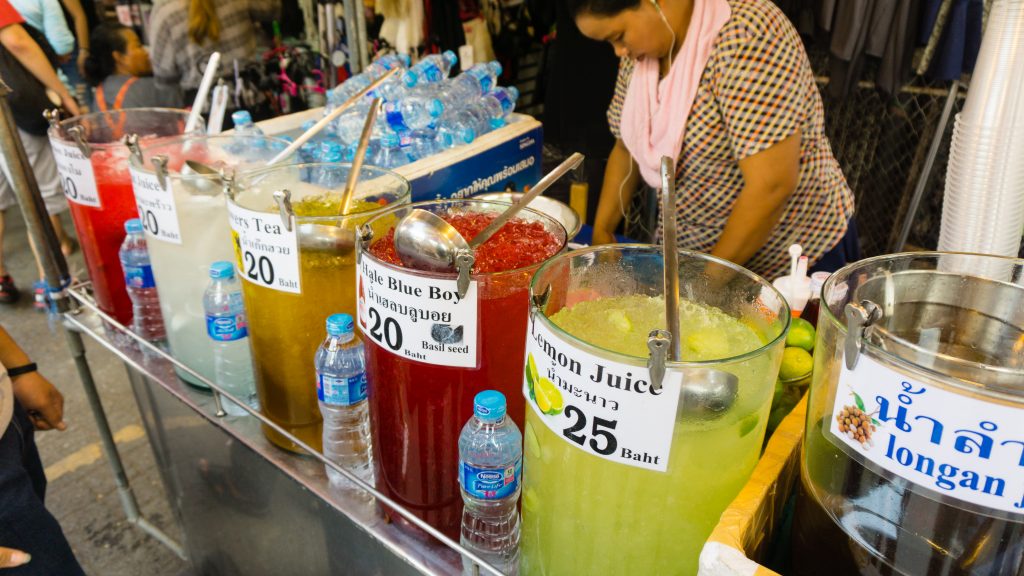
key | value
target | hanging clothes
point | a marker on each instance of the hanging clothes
(957, 50)
(403, 23)
(445, 25)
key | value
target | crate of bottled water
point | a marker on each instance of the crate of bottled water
(450, 136)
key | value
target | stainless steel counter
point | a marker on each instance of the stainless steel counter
(246, 506)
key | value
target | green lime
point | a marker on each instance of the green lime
(549, 399)
(801, 334)
(796, 363)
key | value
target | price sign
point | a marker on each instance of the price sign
(157, 209)
(268, 253)
(604, 408)
(940, 441)
(416, 317)
(76, 174)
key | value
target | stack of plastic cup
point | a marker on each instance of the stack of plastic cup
(983, 210)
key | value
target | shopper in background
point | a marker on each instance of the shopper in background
(28, 402)
(119, 67)
(47, 17)
(184, 33)
(725, 88)
(82, 15)
(17, 42)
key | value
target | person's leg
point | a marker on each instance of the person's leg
(40, 157)
(8, 291)
(25, 524)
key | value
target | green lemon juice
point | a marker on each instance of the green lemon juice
(586, 515)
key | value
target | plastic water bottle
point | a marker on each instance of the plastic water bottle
(341, 389)
(228, 329)
(147, 321)
(433, 68)
(486, 73)
(507, 97)
(415, 111)
(490, 470)
(355, 84)
(244, 124)
(330, 177)
(390, 153)
(459, 127)
(420, 144)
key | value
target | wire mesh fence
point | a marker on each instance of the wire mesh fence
(881, 142)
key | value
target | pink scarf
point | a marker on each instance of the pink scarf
(654, 113)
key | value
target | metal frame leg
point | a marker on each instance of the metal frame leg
(55, 266)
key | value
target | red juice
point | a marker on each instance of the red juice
(417, 410)
(101, 232)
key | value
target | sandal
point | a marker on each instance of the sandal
(8, 291)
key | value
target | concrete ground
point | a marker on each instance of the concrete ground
(81, 493)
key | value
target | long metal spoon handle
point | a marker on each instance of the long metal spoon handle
(357, 160)
(561, 170)
(671, 255)
(323, 122)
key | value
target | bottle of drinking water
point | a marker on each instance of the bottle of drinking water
(228, 329)
(330, 177)
(415, 111)
(433, 68)
(390, 154)
(341, 389)
(490, 469)
(147, 321)
(421, 144)
(244, 127)
(486, 73)
(460, 127)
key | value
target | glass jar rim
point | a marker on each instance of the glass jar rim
(879, 352)
(168, 141)
(58, 130)
(784, 311)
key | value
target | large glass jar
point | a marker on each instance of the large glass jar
(418, 409)
(93, 162)
(622, 477)
(287, 313)
(912, 461)
(187, 229)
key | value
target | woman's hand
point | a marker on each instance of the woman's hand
(11, 558)
(41, 400)
(621, 179)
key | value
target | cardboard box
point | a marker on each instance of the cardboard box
(508, 158)
(749, 523)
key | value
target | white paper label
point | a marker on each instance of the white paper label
(601, 407)
(267, 252)
(76, 174)
(416, 317)
(958, 446)
(157, 209)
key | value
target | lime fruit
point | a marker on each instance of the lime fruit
(549, 399)
(796, 363)
(801, 334)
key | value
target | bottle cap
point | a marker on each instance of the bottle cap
(222, 270)
(496, 67)
(489, 406)
(435, 107)
(817, 281)
(241, 117)
(133, 226)
(450, 57)
(340, 324)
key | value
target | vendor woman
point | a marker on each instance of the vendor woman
(725, 88)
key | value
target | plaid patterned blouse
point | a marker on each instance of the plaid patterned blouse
(756, 90)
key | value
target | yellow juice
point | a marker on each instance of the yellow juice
(588, 516)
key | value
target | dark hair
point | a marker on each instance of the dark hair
(105, 39)
(599, 7)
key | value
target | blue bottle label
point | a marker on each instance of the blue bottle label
(490, 483)
(227, 328)
(432, 72)
(341, 391)
(139, 277)
(394, 117)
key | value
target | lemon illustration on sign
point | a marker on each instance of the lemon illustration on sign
(801, 334)
(796, 363)
(531, 376)
(549, 399)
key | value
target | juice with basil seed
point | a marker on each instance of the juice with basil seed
(417, 409)
(583, 514)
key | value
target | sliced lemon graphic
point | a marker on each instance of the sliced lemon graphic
(549, 399)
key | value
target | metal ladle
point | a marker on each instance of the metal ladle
(704, 390)
(425, 241)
